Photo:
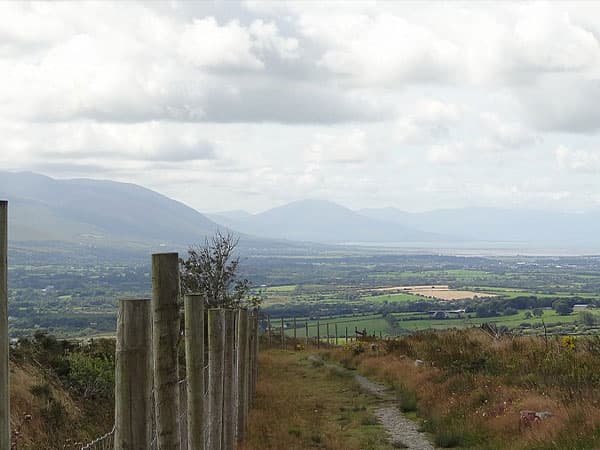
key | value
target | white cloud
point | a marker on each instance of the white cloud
(88, 141)
(382, 49)
(499, 135)
(577, 160)
(427, 120)
(206, 44)
(255, 103)
(350, 147)
(446, 154)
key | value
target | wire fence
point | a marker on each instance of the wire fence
(107, 441)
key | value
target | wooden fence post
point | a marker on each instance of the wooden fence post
(133, 375)
(306, 331)
(346, 335)
(165, 337)
(295, 336)
(282, 335)
(216, 360)
(5, 437)
(336, 336)
(328, 338)
(194, 361)
(255, 352)
(270, 335)
(229, 382)
(242, 365)
(251, 357)
(318, 335)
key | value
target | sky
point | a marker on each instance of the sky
(251, 105)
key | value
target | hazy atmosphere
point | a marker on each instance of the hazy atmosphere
(299, 225)
(252, 105)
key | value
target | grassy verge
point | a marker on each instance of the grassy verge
(303, 405)
(469, 389)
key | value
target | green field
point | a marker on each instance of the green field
(401, 297)
(376, 324)
(284, 288)
(512, 321)
(513, 293)
(373, 324)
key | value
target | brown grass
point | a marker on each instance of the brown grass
(301, 405)
(37, 426)
(470, 388)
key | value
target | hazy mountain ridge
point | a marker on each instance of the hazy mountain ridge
(495, 224)
(121, 216)
(323, 221)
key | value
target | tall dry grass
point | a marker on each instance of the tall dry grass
(470, 388)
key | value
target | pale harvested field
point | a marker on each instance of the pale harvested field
(438, 291)
(449, 294)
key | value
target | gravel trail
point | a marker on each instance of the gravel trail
(402, 432)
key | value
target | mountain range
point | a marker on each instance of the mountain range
(325, 222)
(95, 214)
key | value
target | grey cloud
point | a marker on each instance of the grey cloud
(253, 100)
(202, 150)
(563, 103)
(68, 168)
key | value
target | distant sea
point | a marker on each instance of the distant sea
(483, 248)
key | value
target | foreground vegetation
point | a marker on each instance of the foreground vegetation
(468, 388)
(62, 393)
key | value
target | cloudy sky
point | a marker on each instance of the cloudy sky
(250, 105)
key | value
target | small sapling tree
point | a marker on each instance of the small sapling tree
(212, 270)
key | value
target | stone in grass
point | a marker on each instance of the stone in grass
(399, 444)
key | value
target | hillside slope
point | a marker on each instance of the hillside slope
(45, 209)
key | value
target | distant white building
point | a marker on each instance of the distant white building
(580, 307)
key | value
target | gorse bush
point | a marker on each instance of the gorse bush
(91, 376)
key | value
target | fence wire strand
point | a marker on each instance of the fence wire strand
(107, 441)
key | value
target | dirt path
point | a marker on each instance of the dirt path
(402, 432)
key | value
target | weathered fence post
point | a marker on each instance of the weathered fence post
(336, 334)
(306, 331)
(229, 382)
(255, 342)
(346, 335)
(282, 335)
(216, 360)
(242, 368)
(133, 375)
(328, 336)
(194, 361)
(165, 337)
(4, 343)
(318, 334)
(270, 334)
(251, 358)
(295, 336)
